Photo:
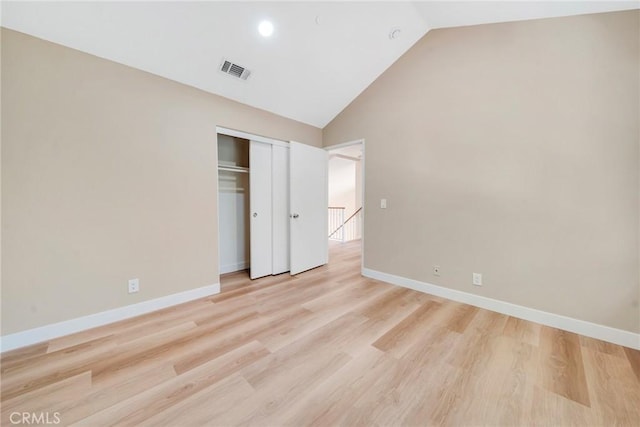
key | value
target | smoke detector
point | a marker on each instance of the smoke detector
(234, 70)
(394, 33)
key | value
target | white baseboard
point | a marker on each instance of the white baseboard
(593, 330)
(230, 268)
(55, 330)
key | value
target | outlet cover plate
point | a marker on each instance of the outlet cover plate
(134, 286)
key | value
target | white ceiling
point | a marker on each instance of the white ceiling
(321, 56)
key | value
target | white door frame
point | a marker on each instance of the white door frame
(362, 169)
(250, 136)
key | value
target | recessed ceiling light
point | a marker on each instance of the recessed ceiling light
(265, 28)
(394, 33)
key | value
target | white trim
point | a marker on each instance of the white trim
(218, 205)
(363, 184)
(230, 268)
(342, 156)
(250, 136)
(55, 330)
(593, 330)
(344, 144)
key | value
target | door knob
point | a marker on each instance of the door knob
(255, 214)
(295, 215)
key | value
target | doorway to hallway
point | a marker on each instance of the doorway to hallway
(346, 192)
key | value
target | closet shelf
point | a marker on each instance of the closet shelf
(233, 169)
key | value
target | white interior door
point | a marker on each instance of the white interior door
(280, 208)
(260, 209)
(308, 198)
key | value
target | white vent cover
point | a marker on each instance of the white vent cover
(235, 70)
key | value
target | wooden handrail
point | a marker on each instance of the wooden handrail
(354, 214)
(348, 219)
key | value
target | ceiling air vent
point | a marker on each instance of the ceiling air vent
(235, 70)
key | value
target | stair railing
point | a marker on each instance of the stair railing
(350, 229)
(336, 220)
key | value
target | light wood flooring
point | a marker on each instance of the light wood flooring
(325, 348)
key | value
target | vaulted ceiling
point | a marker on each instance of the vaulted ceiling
(320, 57)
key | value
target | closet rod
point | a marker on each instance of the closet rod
(233, 169)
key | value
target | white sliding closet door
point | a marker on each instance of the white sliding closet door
(280, 208)
(260, 209)
(309, 201)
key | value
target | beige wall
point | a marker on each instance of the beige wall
(108, 173)
(511, 150)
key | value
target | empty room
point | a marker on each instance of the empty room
(342, 213)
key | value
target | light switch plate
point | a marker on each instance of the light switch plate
(477, 279)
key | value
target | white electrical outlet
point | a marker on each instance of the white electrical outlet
(477, 279)
(436, 270)
(134, 286)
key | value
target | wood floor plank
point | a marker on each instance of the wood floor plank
(601, 346)
(460, 317)
(222, 343)
(402, 335)
(49, 369)
(522, 331)
(617, 400)
(111, 392)
(633, 356)
(327, 347)
(276, 395)
(329, 338)
(140, 352)
(207, 407)
(59, 358)
(409, 391)
(47, 397)
(145, 405)
(388, 303)
(548, 408)
(304, 294)
(379, 325)
(344, 298)
(90, 356)
(489, 322)
(562, 366)
(196, 315)
(260, 285)
(472, 356)
(333, 398)
(275, 339)
(148, 321)
(510, 366)
(9, 358)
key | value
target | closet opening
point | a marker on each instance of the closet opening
(272, 198)
(253, 204)
(233, 204)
